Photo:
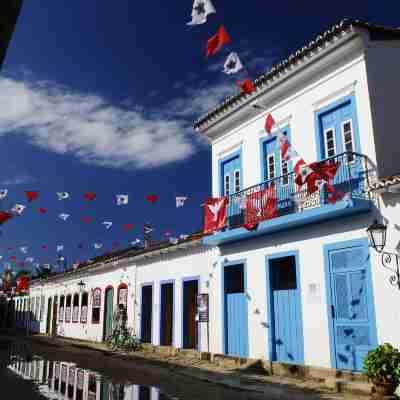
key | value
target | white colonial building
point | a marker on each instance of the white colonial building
(303, 287)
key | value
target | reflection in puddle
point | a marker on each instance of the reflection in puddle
(63, 380)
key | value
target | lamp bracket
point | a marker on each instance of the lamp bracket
(391, 261)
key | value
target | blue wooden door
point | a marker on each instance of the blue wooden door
(108, 312)
(286, 317)
(236, 312)
(231, 182)
(352, 317)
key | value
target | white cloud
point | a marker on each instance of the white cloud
(97, 132)
(18, 180)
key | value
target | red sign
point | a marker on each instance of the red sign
(215, 214)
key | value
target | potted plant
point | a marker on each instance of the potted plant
(382, 367)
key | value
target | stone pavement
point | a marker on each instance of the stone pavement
(251, 380)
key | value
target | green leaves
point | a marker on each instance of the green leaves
(382, 365)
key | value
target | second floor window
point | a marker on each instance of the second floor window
(226, 185)
(330, 144)
(348, 145)
(285, 170)
(271, 166)
(237, 181)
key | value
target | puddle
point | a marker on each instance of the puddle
(66, 380)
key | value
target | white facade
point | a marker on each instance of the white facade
(344, 69)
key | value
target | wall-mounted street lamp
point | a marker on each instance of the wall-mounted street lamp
(391, 261)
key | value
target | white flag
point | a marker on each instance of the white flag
(18, 209)
(98, 246)
(122, 199)
(24, 249)
(232, 64)
(1, 257)
(29, 259)
(107, 224)
(173, 240)
(64, 217)
(183, 237)
(135, 242)
(60, 247)
(180, 201)
(62, 195)
(3, 193)
(201, 9)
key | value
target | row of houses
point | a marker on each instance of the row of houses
(300, 285)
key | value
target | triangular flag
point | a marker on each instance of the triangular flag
(64, 217)
(269, 123)
(32, 195)
(62, 195)
(180, 201)
(18, 209)
(183, 237)
(173, 240)
(5, 216)
(42, 210)
(107, 224)
(98, 246)
(13, 258)
(89, 196)
(122, 199)
(152, 198)
(29, 259)
(216, 42)
(44, 247)
(60, 247)
(232, 64)
(201, 9)
(3, 194)
(86, 219)
(115, 245)
(128, 227)
(167, 233)
(247, 86)
(135, 242)
(24, 249)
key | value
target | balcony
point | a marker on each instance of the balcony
(281, 204)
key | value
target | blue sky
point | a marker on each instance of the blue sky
(98, 97)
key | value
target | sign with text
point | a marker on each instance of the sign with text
(202, 307)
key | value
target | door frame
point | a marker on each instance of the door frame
(184, 280)
(370, 300)
(270, 308)
(173, 311)
(152, 309)
(351, 99)
(224, 160)
(227, 264)
(109, 287)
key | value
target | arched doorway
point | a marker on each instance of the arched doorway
(108, 312)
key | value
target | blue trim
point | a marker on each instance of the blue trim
(227, 264)
(190, 279)
(224, 160)
(329, 301)
(152, 309)
(326, 212)
(173, 311)
(266, 139)
(351, 99)
(270, 319)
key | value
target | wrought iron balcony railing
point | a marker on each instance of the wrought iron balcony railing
(282, 195)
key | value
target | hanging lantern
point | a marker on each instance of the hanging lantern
(377, 236)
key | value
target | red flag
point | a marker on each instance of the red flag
(32, 195)
(44, 247)
(42, 210)
(152, 198)
(22, 284)
(5, 216)
(260, 206)
(269, 123)
(87, 219)
(214, 214)
(89, 196)
(247, 86)
(13, 258)
(216, 42)
(128, 227)
(115, 245)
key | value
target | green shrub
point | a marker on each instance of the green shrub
(382, 365)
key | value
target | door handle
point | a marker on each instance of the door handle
(333, 311)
